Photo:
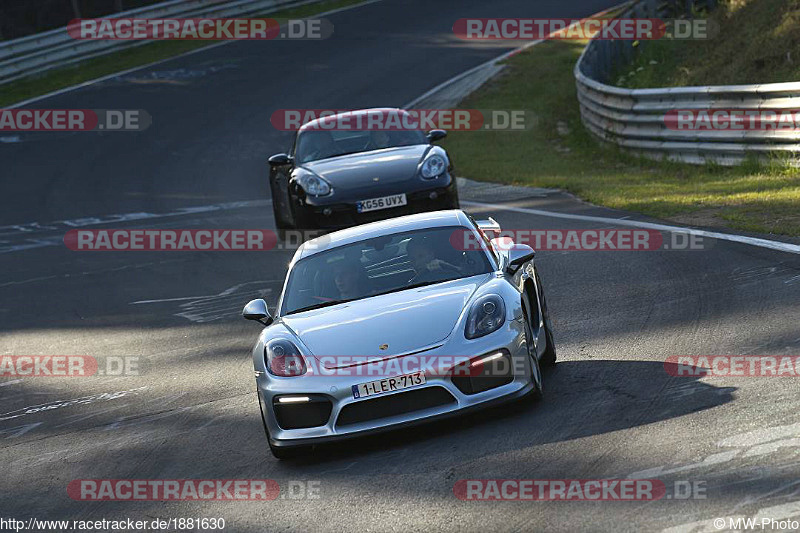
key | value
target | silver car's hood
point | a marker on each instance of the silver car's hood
(406, 321)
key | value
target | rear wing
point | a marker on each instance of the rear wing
(489, 227)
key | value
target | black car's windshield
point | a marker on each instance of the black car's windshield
(313, 145)
(380, 265)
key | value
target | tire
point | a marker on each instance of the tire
(549, 355)
(280, 225)
(536, 369)
(301, 221)
(454, 202)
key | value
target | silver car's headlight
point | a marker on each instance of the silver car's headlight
(283, 359)
(314, 185)
(487, 314)
(433, 166)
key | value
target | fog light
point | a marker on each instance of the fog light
(434, 195)
(293, 399)
(327, 211)
(302, 411)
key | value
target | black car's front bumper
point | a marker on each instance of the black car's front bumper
(344, 215)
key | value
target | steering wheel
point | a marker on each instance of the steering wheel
(428, 275)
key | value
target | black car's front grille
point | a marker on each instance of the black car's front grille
(393, 405)
(347, 216)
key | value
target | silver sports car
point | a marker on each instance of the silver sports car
(397, 322)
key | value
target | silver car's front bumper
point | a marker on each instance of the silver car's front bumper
(338, 390)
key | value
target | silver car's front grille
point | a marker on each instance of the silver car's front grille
(393, 405)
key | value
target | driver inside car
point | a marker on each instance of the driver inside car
(379, 139)
(319, 145)
(427, 266)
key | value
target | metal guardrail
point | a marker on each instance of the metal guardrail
(40, 52)
(634, 118)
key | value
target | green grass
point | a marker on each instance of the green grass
(748, 197)
(759, 43)
(125, 59)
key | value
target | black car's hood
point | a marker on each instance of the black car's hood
(357, 171)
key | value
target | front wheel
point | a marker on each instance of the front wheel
(301, 219)
(280, 225)
(536, 369)
(549, 355)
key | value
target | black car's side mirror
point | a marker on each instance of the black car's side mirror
(278, 160)
(257, 310)
(436, 135)
(518, 255)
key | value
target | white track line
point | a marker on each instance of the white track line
(752, 241)
(154, 63)
(466, 73)
(497, 59)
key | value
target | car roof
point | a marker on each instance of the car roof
(315, 124)
(430, 219)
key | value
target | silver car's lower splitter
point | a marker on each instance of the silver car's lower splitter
(417, 420)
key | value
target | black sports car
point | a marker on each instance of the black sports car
(336, 178)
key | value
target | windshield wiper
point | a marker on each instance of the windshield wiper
(320, 305)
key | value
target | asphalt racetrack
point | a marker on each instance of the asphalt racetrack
(610, 408)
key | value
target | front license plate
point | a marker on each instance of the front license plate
(373, 204)
(383, 386)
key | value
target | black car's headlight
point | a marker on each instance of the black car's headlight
(283, 359)
(434, 165)
(314, 185)
(487, 314)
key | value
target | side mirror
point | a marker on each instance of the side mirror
(278, 160)
(257, 310)
(435, 135)
(518, 255)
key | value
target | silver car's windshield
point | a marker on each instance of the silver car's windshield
(313, 145)
(381, 265)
